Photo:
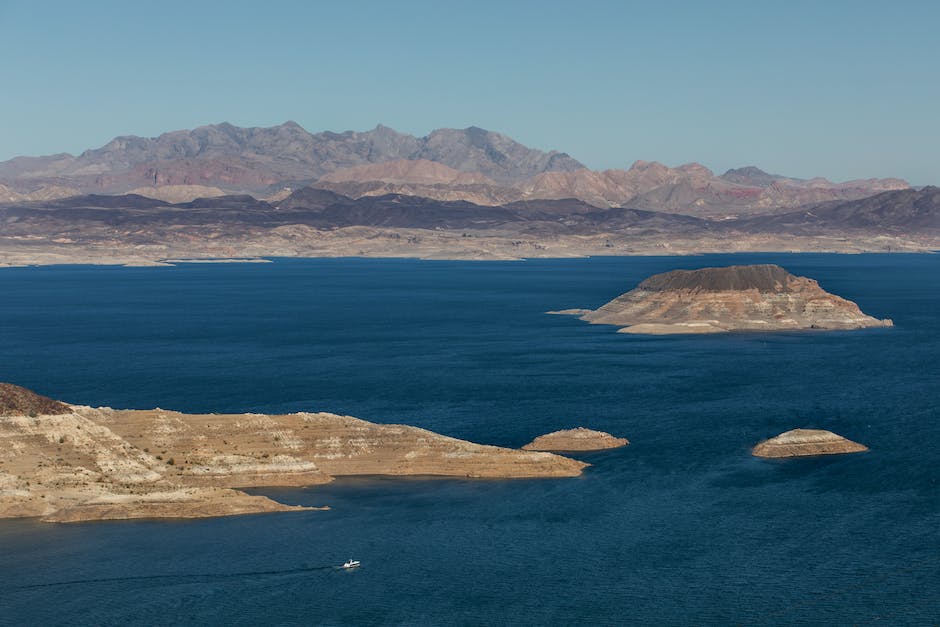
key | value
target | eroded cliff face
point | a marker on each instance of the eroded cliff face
(710, 300)
(89, 464)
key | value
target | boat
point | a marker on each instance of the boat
(351, 563)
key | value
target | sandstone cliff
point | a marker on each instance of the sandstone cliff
(802, 442)
(69, 463)
(712, 300)
(578, 439)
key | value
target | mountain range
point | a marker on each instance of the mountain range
(225, 191)
(138, 220)
(253, 159)
(471, 164)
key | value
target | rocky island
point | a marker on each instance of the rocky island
(69, 463)
(578, 439)
(733, 298)
(804, 442)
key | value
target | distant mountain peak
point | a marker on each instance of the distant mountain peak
(695, 169)
(754, 176)
(749, 170)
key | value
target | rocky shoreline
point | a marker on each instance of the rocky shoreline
(71, 463)
(806, 443)
(83, 463)
(577, 439)
(734, 298)
(298, 241)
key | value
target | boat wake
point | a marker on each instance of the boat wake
(179, 578)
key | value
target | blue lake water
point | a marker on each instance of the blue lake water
(681, 527)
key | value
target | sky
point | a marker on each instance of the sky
(841, 89)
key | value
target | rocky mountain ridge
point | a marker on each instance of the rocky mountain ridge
(690, 188)
(312, 222)
(909, 211)
(254, 159)
(470, 164)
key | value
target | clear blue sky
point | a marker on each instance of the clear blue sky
(842, 89)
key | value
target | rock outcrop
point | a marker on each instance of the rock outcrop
(178, 193)
(577, 439)
(734, 298)
(68, 463)
(805, 442)
(18, 401)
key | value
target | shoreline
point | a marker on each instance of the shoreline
(208, 245)
(116, 262)
(83, 463)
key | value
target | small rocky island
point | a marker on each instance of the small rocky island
(68, 463)
(804, 442)
(578, 439)
(733, 298)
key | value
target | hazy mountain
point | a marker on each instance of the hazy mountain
(253, 159)
(497, 156)
(410, 212)
(418, 177)
(311, 198)
(753, 176)
(48, 192)
(448, 165)
(415, 171)
(316, 222)
(691, 188)
(694, 189)
(906, 211)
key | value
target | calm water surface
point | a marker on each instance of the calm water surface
(681, 527)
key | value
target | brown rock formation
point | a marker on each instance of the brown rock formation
(178, 193)
(417, 171)
(578, 439)
(709, 300)
(71, 463)
(691, 188)
(418, 177)
(18, 401)
(45, 192)
(694, 189)
(802, 442)
(184, 503)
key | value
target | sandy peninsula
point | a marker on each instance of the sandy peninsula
(68, 463)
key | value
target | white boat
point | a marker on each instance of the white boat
(351, 563)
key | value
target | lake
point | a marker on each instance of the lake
(683, 526)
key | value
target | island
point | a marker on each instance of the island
(806, 442)
(733, 298)
(577, 439)
(67, 463)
